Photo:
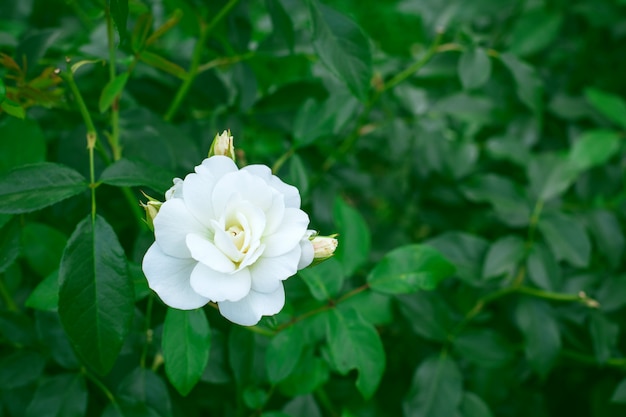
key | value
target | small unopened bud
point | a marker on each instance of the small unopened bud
(223, 145)
(151, 207)
(323, 247)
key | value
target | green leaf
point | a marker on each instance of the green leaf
(9, 244)
(436, 389)
(3, 91)
(314, 120)
(42, 246)
(111, 91)
(354, 344)
(20, 368)
(550, 175)
(484, 347)
(408, 269)
(12, 108)
(342, 47)
(59, 396)
(33, 187)
(428, 315)
(567, 238)
(602, 225)
(474, 406)
(50, 334)
(144, 387)
(466, 252)
(133, 173)
(309, 374)
(246, 356)
(543, 269)
(593, 148)
(22, 143)
(354, 237)
(541, 334)
(119, 10)
(619, 395)
(281, 22)
(474, 68)
(303, 405)
(604, 334)
(534, 31)
(186, 345)
(96, 295)
(163, 64)
(283, 353)
(45, 296)
(324, 280)
(611, 106)
(529, 85)
(507, 198)
(503, 256)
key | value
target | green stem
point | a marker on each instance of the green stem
(219, 62)
(6, 297)
(195, 60)
(281, 161)
(92, 134)
(591, 360)
(105, 390)
(148, 330)
(432, 50)
(581, 297)
(114, 138)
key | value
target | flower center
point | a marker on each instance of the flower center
(238, 237)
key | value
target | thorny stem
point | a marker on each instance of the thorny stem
(195, 60)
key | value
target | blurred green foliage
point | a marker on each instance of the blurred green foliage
(483, 137)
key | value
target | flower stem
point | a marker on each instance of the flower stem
(114, 137)
(105, 390)
(195, 60)
(281, 161)
(92, 134)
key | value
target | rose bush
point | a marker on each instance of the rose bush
(230, 236)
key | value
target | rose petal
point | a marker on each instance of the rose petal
(204, 251)
(307, 253)
(291, 193)
(172, 225)
(248, 310)
(267, 273)
(216, 167)
(240, 186)
(219, 286)
(289, 234)
(169, 278)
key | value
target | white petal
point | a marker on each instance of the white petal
(275, 214)
(267, 273)
(240, 186)
(172, 225)
(248, 311)
(225, 244)
(307, 253)
(197, 195)
(291, 193)
(169, 278)
(219, 286)
(204, 251)
(216, 167)
(289, 233)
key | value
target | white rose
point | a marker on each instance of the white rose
(230, 236)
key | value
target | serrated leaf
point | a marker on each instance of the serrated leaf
(283, 353)
(611, 106)
(408, 269)
(543, 269)
(96, 295)
(436, 389)
(354, 344)
(354, 237)
(541, 334)
(59, 396)
(144, 387)
(12, 108)
(567, 238)
(133, 173)
(342, 47)
(33, 187)
(550, 175)
(474, 68)
(111, 91)
(324, 280)
(534, 31)
(593, 148)
(465, 251)
(186, 345)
